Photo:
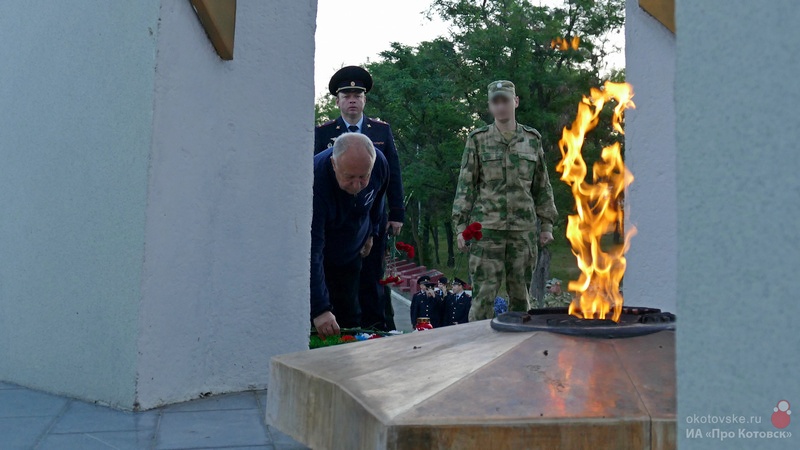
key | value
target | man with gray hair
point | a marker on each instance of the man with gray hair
(350, 178)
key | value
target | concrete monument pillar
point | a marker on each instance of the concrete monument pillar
(736, 97)
(650, 154)
(156, 199)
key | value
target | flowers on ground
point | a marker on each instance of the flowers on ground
(347, 336)
(390, 280)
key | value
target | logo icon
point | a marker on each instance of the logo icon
(370, 197)
(781, 414)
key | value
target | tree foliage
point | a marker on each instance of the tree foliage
(434, 93)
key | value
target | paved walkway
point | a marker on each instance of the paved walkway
(402, 312)
(34, 420)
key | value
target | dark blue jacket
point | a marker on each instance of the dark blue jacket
(424, 306)
(456, 310)
(381, 135)
(341, 222)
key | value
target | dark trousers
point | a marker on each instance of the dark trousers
(371, 295)
(389, 309)
(342, 281)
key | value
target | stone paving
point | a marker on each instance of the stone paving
(31, 419)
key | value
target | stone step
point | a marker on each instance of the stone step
(405, 266)
(418, 271)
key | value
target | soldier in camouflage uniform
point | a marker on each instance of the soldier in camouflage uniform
(555, 296)
(503, 185)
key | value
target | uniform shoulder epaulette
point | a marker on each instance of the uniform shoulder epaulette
(482, 129)
(326, 123)
(532, 130)
(375, 120)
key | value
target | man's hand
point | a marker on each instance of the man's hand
(546, 237)
(462, 244)
(366, 248)
(393, 228)
(326, 325)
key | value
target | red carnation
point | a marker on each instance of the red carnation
(389, 280)
(473, 231)
(348, 338)
(408, 249)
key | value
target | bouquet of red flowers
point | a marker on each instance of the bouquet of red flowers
(473, 231)
(408, 249)
(394, 279)
(392, 276)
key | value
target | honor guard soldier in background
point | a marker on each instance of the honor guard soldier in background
(350, 85)
(427, 302)
(504, 185)
(456, 305)
(555, 296)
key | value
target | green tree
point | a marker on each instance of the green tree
(434, 93)
(325, 109)
(430, 121)
(511, 39)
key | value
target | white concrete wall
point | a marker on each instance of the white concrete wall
(738, 132)
(76, 95)
(650, 155)
(225, 283)
(155, 231)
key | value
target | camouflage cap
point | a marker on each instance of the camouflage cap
(551, 282)
(501, 87)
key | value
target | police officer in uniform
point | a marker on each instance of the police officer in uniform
(350, 85)
(427, 302)
(442, 285)
(456, 305)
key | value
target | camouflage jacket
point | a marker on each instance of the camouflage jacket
(551, 300)
(504, 184)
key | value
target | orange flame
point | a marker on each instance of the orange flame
(564, 44)
(598, 206)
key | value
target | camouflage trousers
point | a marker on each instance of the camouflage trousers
(509, 255)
